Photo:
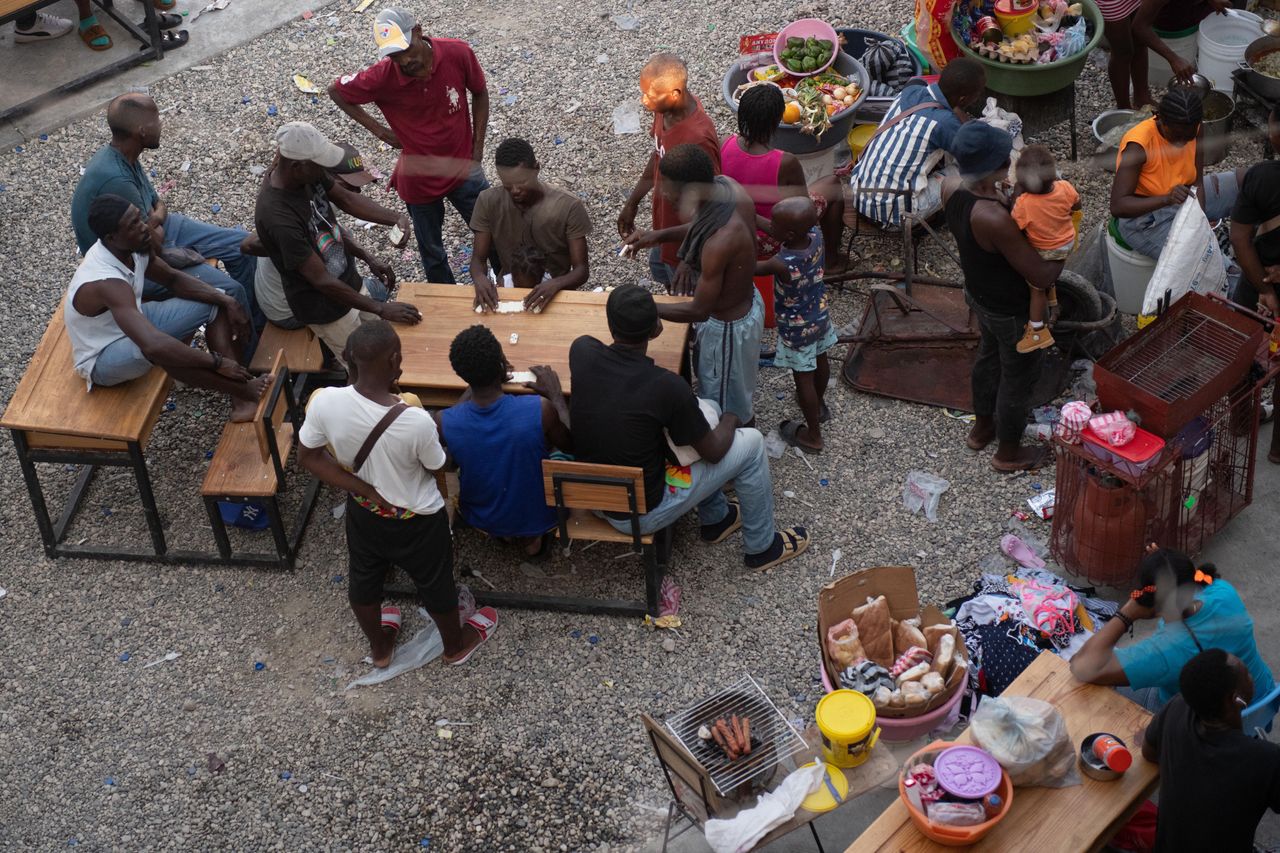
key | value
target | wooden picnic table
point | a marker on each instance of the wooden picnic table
(1078, 818)
(543, 338)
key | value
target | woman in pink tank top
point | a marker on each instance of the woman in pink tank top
(769, 174)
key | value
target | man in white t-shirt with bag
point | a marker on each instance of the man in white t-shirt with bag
(365, 440)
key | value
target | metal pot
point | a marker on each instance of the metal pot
(1264, 84)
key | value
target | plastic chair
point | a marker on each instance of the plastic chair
(1258, 716)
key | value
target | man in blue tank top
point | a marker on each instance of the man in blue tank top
(499, 440)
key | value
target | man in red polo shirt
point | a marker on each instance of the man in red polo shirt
(420, 84)
(678, 119)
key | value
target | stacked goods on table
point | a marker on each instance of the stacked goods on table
(878, 641)
(802, 68)
(954, 793)
(1023, 31)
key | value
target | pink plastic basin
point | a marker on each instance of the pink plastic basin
(803, 29)
(902, 729)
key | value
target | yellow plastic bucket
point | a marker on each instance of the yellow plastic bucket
(859, 136)
(847, 722)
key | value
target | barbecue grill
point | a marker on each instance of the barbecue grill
(1173, 370)
(772, 738)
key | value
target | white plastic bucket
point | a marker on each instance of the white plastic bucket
(1222, 40)
(1183, 43)
(1130, 272)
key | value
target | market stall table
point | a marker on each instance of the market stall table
(1079, 818)
(542, 338)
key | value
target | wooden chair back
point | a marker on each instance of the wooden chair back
(581, 485)
(690, 783)
(274, 419)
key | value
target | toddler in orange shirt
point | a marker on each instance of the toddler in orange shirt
(1047, 209)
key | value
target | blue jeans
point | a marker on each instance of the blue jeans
(1148, 233)
(661, 273)
(428, 222)
(122, 359)
(214, 241)
(747, 467)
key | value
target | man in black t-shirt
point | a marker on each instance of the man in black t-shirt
(314, 254)
(622, 403)
(1255, 236)
(1216, 782)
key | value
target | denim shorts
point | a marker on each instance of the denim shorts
(122, 360)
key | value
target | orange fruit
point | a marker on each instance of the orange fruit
(791, 113)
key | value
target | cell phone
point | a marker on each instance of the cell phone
(522, 376)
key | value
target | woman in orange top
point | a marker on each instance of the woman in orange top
(1158, 164)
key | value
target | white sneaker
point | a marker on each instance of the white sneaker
(46, 28)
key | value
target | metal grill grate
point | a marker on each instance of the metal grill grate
(1186, 355)
(772, 738)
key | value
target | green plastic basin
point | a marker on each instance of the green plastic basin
(1029, 80)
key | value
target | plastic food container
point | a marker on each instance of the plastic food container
(952, 836)
(806, 28)
(1133, 458)
(1091, 765)
(1014, 20)
(847, 721)
(967, 772)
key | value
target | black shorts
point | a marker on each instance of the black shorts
(421, 545)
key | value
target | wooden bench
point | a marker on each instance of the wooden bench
(302, 353)
(53, 417)
(248, 468)
(577, 490)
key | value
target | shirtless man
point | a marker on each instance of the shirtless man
(116, 337)
(719, 245)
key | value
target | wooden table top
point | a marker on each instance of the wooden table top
(543, 338)
(1079, 818)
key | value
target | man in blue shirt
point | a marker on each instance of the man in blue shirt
(906, 153)
(499, 440)
(115, 169)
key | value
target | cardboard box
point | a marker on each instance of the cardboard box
(897, 584)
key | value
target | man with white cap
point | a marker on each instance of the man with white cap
(315, 255)
(420, 84)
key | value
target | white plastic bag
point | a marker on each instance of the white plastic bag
(773, 809)
(922, 491)
(1190, 260)
(1029, 738)
(421, 649)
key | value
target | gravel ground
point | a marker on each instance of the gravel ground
(102, 753)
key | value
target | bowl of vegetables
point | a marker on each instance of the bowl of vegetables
(805, 47)
(820, 108)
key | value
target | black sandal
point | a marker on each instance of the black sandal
(790, 431)
(167, 21)
(170, 40)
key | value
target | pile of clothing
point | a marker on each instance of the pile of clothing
(1011, 618)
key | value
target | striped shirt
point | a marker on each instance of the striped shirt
(901, 157)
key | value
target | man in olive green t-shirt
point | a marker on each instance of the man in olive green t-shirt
(524, 212)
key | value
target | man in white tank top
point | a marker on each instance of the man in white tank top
(116, 337)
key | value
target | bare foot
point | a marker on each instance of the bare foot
(244, 409)
(470, 639)
(1008, 460)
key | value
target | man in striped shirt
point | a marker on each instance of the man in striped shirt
(907, 151)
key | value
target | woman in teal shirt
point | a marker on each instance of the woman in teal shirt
(1200, 611)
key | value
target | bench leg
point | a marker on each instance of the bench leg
(139, 465)
(37, 494)
(304, 515)
(277, 531)
(652, 577)
(73, 502)
(218, 526)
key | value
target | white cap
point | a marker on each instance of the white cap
(298, 140)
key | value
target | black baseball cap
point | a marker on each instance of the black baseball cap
(352, 170)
